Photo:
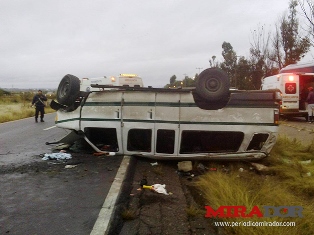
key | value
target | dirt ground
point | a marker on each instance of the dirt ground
(150, 212)
(301, 131)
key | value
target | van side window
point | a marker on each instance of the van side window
(257, 141)
(210, 141)
(165, 141)
(139, 140)
(103, 138)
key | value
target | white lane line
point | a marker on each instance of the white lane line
(101, 225)
(49, 128)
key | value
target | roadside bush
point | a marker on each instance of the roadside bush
(15, 111)
(290, 182)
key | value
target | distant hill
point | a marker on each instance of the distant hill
(4, 92)
(14, 90)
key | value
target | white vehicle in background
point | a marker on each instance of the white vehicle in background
(293, 82)
(131, 80)
(208, 121)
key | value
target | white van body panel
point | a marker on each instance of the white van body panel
(290, 93)
(175, 112)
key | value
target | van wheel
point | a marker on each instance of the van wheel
(68, 90)
(213, 85)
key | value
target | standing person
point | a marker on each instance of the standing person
(39, 102)
(310, 104)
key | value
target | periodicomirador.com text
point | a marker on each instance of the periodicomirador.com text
(254, 223)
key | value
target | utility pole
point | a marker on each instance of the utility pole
(183, 79)
(199, 70)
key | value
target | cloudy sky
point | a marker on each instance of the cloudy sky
(41, 41)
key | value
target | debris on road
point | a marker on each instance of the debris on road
(158, 188)
(203, 169)
(62, 146)
(306, 162)
(104, 153)
(185, 166)
(260, 167)
(56, 156)
(143, 182)
(70, 166)
(301, 162)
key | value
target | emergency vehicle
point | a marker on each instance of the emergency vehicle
(293, 81)
(124, 79)
(209, 121)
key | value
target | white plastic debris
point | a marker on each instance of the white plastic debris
(260, 167)
(56, 156)
(305, 162)
(160, 188)
(70, 166)
(154, 164)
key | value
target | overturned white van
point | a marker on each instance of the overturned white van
(205, 122)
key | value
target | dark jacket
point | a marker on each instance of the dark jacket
(38, 100)
(310, 98)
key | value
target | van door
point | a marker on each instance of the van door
(137, 121)
(290, 93)
(306, 81)
(167, 123)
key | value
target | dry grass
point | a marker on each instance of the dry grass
(291, 184)
(193, 211)
(16, 111)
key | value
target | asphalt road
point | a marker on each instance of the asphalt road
(46, 197)
(21, 140)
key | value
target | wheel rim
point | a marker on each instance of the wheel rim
(64, 89)
(213, 84)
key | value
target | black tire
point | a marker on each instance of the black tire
(68, 90)
(213, 85)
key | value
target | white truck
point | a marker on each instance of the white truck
(208, 121)
(293, 82)
(131, 80)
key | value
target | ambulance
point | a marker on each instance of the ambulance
(124, 79)
(293, 81)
